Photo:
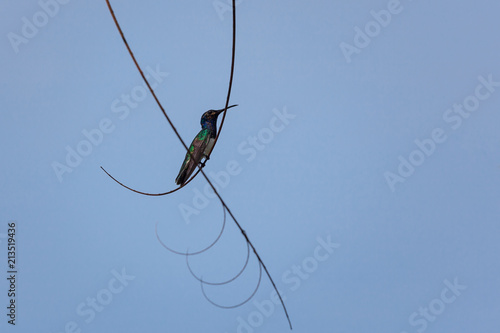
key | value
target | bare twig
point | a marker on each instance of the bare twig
(187, 149)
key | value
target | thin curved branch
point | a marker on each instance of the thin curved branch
(239, 304)
(163, 110)
(197, 252)
(144, 76)
(185, 146)
(151, 194)
(233, 53)
(220, 283)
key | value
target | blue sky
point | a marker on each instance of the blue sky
(363, 162)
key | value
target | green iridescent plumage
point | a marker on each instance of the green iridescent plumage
(194, 156)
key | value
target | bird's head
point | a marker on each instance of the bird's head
(211, 115)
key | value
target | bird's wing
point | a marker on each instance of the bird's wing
(191, 160)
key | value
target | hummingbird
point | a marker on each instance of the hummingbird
(201, 146)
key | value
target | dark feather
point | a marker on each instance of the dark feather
(191, 160)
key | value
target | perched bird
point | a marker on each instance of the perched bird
(201, 146)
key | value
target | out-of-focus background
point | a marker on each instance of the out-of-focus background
(363, 162)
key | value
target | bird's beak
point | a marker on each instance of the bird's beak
(221, 110)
